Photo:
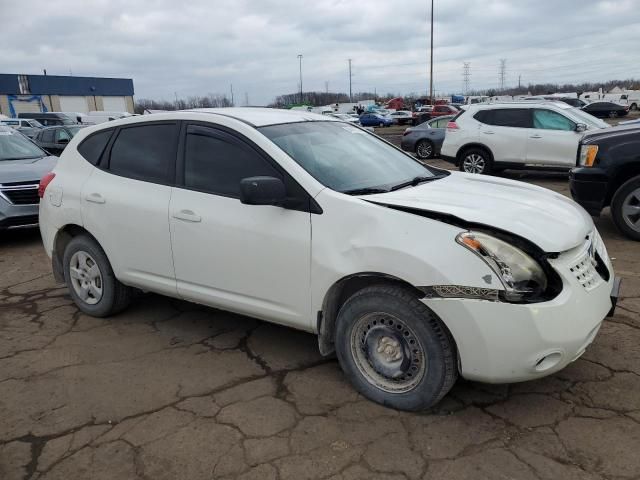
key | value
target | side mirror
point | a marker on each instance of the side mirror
(581, 127)
(63, 141)
(262, 191)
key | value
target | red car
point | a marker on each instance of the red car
(440, 110)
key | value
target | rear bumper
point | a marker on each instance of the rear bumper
(589, 188)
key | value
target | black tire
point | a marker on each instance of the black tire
(424, 149)
(628, 195)
(613, 114)
(633, 107)
(413, 321)
(381, 124)
(115, 296)
(482, 159)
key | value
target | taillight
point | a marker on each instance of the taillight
(44, 182)
(452, 126)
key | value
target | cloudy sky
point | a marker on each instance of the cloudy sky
(194, 47)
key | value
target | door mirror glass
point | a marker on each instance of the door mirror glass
(581, 127)
(262, 191)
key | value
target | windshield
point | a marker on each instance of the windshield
(345, 158)
(584, 117)
(15, 146)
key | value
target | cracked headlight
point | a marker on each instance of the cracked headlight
(520, 274)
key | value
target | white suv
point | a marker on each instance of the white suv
(491, 137)
(412, 274)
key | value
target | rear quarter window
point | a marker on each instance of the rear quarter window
(93, 146)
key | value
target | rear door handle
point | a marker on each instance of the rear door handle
(187, 216)
(488, 132)
(535, 136)
(95, 198)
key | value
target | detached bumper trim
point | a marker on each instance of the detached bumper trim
(615, 293)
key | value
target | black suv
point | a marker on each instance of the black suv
(608, 174)
(55, 139)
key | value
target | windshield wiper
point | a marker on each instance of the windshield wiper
(365, 191)
(414, 181)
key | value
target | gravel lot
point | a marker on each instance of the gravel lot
(171, 390)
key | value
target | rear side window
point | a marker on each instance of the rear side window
(47, 135)
(92, 147)
(506, 117)
(144, 152)
(215, 162)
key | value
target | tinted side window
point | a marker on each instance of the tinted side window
(47, 135)
(144, 152)
(483, 116)
(215, 162)
(511, 117)
(92, 147)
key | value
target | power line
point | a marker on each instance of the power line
(503, 72)
(466, 75)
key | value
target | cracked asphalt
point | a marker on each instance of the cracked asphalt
(172, 390)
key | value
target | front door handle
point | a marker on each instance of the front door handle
(187, 216)
(95, 198)
(488, 132)
(535, 136)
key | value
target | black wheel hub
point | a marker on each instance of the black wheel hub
(387, 352)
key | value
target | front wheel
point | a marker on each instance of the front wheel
(91, 281)
(613, 114)
(475, 160)
(394, 350)
(625, 208)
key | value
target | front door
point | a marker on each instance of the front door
(553, 140)
(249, 259)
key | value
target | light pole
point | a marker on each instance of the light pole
(431, 62)
(300, 59)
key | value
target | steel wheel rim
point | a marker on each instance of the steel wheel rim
(86, 278)
(474, 163)
(631, 210)
(387, 353)
(424, 150)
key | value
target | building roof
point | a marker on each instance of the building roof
(15, 84)
(260, 117)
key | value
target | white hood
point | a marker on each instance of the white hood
(548, 219)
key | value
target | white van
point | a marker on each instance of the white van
(96, 117)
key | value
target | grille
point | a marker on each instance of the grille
(21, 195)
(589, 269)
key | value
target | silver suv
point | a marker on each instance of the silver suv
(491, 137)
(22, 164)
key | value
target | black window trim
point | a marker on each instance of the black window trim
(105, 158)
(307, 204)
(104, 149)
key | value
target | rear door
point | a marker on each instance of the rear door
(553, 141)
(125, 203)
(504, 131)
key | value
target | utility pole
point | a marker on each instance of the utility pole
(300, 59)
(246, 99)
(431, 61)
(350, 95)
(519, 77)
(232, 104)
(326, 86)
(503, 72)
(466, 74)
(176, 94)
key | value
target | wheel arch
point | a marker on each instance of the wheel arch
(623, 175)
(338, 294)
(62, 239)
(470, 145)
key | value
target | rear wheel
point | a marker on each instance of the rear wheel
(424, 149)
(475, 160)
(394, 350)
(613, 114)
(625, 208)
(91, 281)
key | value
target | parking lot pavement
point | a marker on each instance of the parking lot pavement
(170, 390)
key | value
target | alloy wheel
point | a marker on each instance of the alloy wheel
(424, 150)
(387, 353)
(631, 210)
(86, 278)
(474, 163)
